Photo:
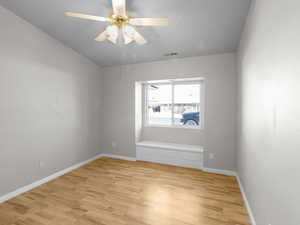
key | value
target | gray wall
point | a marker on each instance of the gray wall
(269, 149)
(218, 137)
(50, 105)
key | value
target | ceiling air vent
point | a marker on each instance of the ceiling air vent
(171, 54)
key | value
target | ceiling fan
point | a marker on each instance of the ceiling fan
(121, 22)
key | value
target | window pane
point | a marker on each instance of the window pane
(160, 114)
(187, 114)
(187, 93)
(187, 104)
(159, 94)
(160, 104)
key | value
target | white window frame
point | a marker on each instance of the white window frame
(173, 82)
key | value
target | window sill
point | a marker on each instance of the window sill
(175, 127)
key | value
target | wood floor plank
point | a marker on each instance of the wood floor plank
(116, 192)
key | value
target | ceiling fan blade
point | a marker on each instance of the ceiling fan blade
(149, 21)
(88, 17)
(119, 7)
(102, 36)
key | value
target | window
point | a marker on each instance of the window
(174, 103)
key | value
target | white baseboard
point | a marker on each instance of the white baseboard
(118, 157)
(46, 179)
(217, 171)
(58, 174)
(246, 201)
(235, 174)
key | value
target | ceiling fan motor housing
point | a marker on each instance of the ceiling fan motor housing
(119, 21)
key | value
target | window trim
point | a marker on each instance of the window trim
(145, 115)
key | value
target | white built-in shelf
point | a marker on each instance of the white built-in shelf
(171, 146)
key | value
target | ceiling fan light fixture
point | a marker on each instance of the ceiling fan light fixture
(112, 33)
(102, 36)
(139, 39)
(131, 34)
(128, 38)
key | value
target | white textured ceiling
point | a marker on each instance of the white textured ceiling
(197, 27)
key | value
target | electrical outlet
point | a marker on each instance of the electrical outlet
(114, 144)
(211, 155)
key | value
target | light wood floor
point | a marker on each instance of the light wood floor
(115, 192)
